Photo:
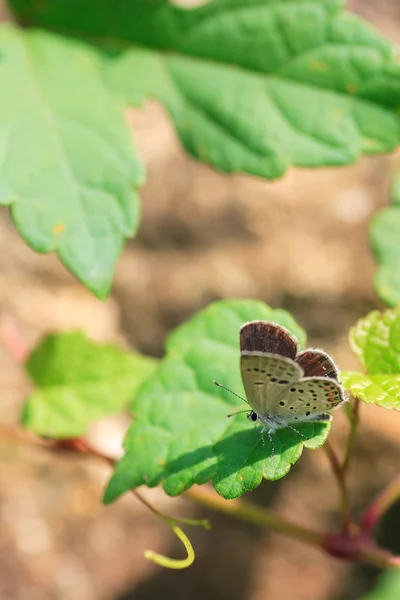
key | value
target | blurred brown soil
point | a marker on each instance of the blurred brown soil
(300, 243)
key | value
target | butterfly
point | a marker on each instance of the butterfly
(283, 387)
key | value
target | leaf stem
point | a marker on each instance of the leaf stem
(379, 506)
(340, 478)
(354, 419)
(246, 511)
(357, 548)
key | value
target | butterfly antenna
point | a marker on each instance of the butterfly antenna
(228, 390)
(237, 413)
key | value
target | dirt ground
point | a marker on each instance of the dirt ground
(300, 243)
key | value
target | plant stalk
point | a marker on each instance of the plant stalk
(354, 422)
(340, 478)
(246, 511)
(382, 502)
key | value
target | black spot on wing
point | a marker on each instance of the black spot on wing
(261, 336)
(317, 364)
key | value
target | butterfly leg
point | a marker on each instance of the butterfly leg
(295, 430)
(269, 433)
(262, 437)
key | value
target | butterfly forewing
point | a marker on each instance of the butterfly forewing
(260, 336)
(266, 378)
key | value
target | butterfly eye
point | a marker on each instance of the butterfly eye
(253, 416)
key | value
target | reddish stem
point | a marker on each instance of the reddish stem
(340, 478)
(379, 506)
(360, 549)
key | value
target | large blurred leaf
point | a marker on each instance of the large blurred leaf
(180, 434)
(79, 381)
(67, 165)
(376, 341)
(385, 240)
(251, 86)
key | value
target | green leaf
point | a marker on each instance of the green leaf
(376, 342)
(385, 241)
(251, 86)
(67, 166)
(79, 381)
(180, 435)
(387, 587)
(383, 390)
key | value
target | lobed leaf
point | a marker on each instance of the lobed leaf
(376, 341)
(79, 381)
(385, 241)
(180, 435)
(67, 165)
(251, 86)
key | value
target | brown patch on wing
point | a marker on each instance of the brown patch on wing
(261, 336)
(316, 363)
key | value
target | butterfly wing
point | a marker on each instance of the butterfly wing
(266, 378)
(316, 363)
(261, 336)
(267, 363)
(310, 398)
(277, 382)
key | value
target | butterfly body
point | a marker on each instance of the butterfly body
(284, 388)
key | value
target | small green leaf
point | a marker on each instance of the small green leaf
(383, 390)
(376, 342)
(67, 166)
(250, 86)
(79, 381)
(180, 435)
(385, 242)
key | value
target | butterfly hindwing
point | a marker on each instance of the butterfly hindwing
(310, 398)
(266, 378)
(316, 363)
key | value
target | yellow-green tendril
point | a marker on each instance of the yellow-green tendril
(164, 561)
(173, 563)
